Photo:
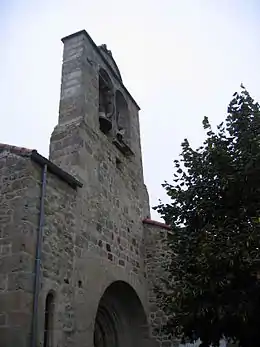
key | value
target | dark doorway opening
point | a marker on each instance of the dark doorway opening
(120, 320)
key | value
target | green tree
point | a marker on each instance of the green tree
(213, 287)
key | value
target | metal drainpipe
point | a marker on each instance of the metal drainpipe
(36, 291)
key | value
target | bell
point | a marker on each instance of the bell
(104, 122)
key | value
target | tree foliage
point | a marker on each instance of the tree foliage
(213, 287)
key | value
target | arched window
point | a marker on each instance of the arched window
(48, 321)
(106, 101)
(122, 116)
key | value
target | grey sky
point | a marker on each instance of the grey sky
(180, 59)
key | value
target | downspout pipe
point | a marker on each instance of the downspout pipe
(36, 291)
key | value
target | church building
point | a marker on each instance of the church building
(79, 253)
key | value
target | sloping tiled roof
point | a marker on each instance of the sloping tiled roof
(157, 224)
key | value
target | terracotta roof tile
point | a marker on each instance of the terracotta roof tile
(157, 224)
(14, 149)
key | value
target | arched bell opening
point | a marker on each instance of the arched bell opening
(120, 320)
(106, 101)
(122, 117)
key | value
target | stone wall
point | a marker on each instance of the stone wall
(85, 250)
(58, 259)
(19, 210)
(20, 190)
(109, 234)
(155, 235)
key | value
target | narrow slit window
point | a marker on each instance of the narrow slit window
(48, 321)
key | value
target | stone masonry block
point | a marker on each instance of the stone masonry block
(16, 301)
(21, 280)
(19, 319)
(24, 243)
(13, 337)
(16, 262)
(69, 92)
(72, 76)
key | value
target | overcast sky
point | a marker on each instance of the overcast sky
(180, 59)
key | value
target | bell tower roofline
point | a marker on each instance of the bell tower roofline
(116, 74)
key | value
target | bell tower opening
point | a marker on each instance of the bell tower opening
(106, 102)
(122, 117)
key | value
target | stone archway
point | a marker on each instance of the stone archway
(120, 320)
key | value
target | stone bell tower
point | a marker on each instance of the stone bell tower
(94, 98)
(97, 140)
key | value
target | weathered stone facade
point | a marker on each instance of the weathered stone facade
(84, 217)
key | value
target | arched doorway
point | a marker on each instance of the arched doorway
(120, 319)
